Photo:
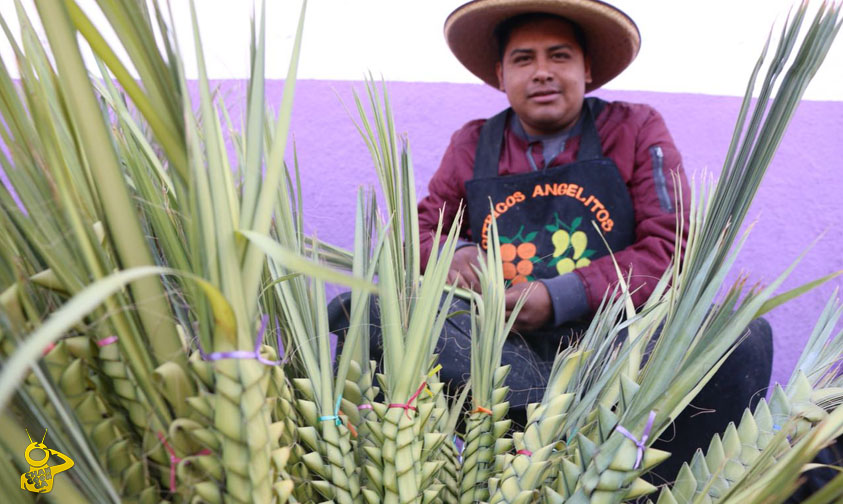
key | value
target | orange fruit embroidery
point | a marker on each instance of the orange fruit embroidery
(526, 250)
(509, 271)
(508, 251)
(524, 267)
(518, 260)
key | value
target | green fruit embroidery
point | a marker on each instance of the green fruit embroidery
(560, 240)
(565, 238)
(579, 241)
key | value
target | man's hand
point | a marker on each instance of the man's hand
(537, 310)
(461, 271)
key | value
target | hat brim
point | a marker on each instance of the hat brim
(611, 36)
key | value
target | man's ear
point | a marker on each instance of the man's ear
(587, 62)
(499, 72)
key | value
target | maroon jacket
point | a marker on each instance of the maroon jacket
(635, 137)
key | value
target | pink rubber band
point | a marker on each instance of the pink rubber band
(107, 341)
(174, 460)
(48, 348)
(406, 406)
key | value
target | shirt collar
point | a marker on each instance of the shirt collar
(516, 127)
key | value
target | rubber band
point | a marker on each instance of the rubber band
(430, 375)
(101, 343)
(336, 416)
(245, 354)
(47, 349)
(573, 434)
(174, 460)
(107, 341)
(407, 405)
(481, 409)
(459, 444)
(640, 444)
(778, 428)
(349, 425)
(524, 452)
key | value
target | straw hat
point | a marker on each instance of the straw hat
(611, 36)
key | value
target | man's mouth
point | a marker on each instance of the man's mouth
(543, 95)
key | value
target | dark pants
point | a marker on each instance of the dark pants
(738, 384)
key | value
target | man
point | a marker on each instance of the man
(541, 65)
(553, 166)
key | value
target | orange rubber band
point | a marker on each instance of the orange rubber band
(348, 424)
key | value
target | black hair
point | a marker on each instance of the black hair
(504, 30)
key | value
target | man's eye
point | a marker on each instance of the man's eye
(560, 56)
(521, 59)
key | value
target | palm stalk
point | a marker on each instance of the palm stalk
(69, 264)
(69, 366)
(743, 464)
(121, 222)
(404, 469)
(320, 401)
(486, 423)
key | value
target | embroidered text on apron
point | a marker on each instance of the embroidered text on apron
(545, 217)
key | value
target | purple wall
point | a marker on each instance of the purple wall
(796, 202)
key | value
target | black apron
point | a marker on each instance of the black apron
(545, 217)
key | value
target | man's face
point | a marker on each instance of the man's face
(543, 73)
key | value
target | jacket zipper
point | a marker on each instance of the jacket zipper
(659, 179)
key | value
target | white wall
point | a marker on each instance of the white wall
(687, 46)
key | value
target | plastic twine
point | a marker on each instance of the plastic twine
(640, 444)
(430, 375)
(350, 426)
(570, 437)
(481, 409)
(778, 428)
(245, 354)
(407, 406)
(336, 416)
(524, 452)
(459, 444)
(107, 341)
(174, 460)
(47, 349)
(364, 406)
(100, 343)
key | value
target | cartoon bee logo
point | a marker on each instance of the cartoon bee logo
(39, 478)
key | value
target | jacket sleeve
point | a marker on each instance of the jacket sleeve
(657, 177)
(446, 190)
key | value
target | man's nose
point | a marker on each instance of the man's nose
(542, 71)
